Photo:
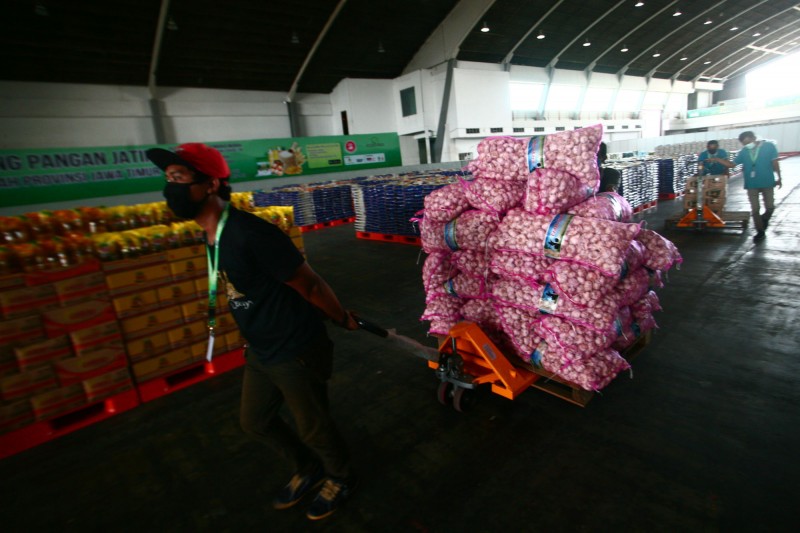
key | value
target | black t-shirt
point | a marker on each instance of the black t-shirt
(609, 179)
(256, 259)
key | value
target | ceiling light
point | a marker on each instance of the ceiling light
(656, 54)
(587, 43)
(172, 25)
(684, 58)
(295, 39)
(793, 43)
(757, 34)
(708, 21)
(707, 62)
(639, 4)
(677, 13)
(735, 28)
(624, 48)
(380, 48)
(485, 27)
(541, 35)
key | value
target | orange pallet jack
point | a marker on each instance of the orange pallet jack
(702, 218)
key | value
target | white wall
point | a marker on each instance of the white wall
(50, 115)
(481, 99)
(369, 105)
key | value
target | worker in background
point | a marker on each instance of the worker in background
(609, 177)
(761, 165)
(278, 302)
(708, 167)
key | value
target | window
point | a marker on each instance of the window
(563, 97)
(597, 99)
(526, 96)
(519, 130)
(539, 129)
(465, 156)
(473, 130)
(408, 102)
(560, 128)
(496, 130)
(629, 100)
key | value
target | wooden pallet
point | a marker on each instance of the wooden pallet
(552, 384)
(737, 221)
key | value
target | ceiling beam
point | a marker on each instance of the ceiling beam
(744, 56)
(726, 41)
(755, 59)
(702, 36)
(510, 54)
(162, 23)
(624, 69)
(634, 30)
(555, 59)
(320, 37)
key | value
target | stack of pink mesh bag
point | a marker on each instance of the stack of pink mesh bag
(546, 266)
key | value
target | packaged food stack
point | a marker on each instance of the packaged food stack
(554, 273)
(60, 344)
(386, 204)
(667, 183)
(298, 197)
(313, 203)
(715, 193)
(686, 167)
(639, 183)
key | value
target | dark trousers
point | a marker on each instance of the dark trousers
(301, 383)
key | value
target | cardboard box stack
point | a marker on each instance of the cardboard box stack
(60, 346)
(715, 193)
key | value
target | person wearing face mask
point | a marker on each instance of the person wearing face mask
(278, 302)
(712, 168)
(760, 167)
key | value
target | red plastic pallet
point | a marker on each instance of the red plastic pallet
(40, 432)
(645, 207)
(329, 224)
(402, 239)
(669, 195)
(180, 379)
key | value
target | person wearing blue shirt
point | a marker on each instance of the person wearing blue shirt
(761, 165)
(711, 167)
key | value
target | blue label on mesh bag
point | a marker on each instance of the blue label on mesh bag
(450, 235)
(615, 205)
(535, 152)
(548, 301)
(450, 287)
(556, 233)
(538, 353)
(637, 331)
(618, 327)
(624, 273)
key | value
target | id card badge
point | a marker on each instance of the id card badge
(753, 174)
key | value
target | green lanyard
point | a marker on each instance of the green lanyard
(753, 156)
(213, 271)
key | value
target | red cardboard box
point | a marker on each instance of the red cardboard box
(89, 365)
(21, 329)
(107, 384)
(8, 363)
(80, 287)
(27, 384)
(65, 320)
(27, 300)
(42, 352)
(104, 334)
(163, 364)
(15, 415)
(58, 401)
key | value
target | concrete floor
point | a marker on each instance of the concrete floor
(704, 438)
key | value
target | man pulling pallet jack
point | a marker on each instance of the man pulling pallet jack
(760, 161)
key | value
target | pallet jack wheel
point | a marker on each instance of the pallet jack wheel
(463, 399)
(444, 393)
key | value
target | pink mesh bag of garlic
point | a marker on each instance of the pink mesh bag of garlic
(633, 287)
(605, 206)
(446, 203)
(437, 269)
(443, 312)
(510, 158)
(493, 196)
(590, 373)
(519, 325)
(472, 262)
(481, 312)
(550, 191)
(469, 231)
(461, 286)
(659, 253)
(573, 337)
(521, 265)
(599, 244)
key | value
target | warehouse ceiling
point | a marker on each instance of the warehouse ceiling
(262, 44)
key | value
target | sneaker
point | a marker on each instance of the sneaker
(760, 236)
(298, 486)
(765, 218)
(332, 495)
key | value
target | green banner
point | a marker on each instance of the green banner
(61, 174)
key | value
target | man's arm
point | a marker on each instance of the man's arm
(313, 288)
(776, 167)
(723, 162)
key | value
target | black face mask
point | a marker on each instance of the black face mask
(180, 202)
(712, 152)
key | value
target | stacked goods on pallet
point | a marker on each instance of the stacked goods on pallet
(553, 273)
(686, 167)
(715, 193)
(639, 183)
(314, 203)
(386, 204)
(667, 178)
(694, 147)
(83, 310)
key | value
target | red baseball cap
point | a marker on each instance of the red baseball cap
(197, 156)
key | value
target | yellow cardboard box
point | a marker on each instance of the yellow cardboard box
(188, 333)
(186, 252)
(149, 346)
(42, 352)
(89, 365)
(175, 293)
(163, 364)
(136, 302)
(27, 383)
(107, 384)
(189, 268)
(58, 401)
(64, 320)
(135, 263)
(195, 310)
(201, 286)
(146, 323)
(138, 279)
